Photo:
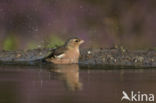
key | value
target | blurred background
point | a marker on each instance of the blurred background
(29, 24)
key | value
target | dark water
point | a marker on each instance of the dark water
(71, 84)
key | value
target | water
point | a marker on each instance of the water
(71, 84)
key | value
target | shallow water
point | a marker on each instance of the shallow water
(71, 84)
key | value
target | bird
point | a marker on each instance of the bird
(67, 54)
(69, 74)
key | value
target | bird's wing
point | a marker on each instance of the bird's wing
(58, 52)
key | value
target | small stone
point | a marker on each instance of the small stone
(135, 61)
(18, 55)
(104, 60)
(89, 52)
(40, 53)
(141, 59)
(152, 60)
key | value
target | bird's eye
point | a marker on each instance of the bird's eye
(76, 40)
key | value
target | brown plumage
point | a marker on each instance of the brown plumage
(66, 54)
(69, 74)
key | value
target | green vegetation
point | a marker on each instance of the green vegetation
(33, 45)
(51, 42)
(54, 41)
(10, 43)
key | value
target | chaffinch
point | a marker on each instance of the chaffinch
(69, 74)
(67, 54)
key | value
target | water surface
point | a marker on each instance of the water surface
(71, 84)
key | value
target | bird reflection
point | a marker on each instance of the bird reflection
(70, 75)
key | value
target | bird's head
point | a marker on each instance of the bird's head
(73, 42)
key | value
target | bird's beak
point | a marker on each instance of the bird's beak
(82, 41)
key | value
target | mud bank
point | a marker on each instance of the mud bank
(118, 57)
(113, 57)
